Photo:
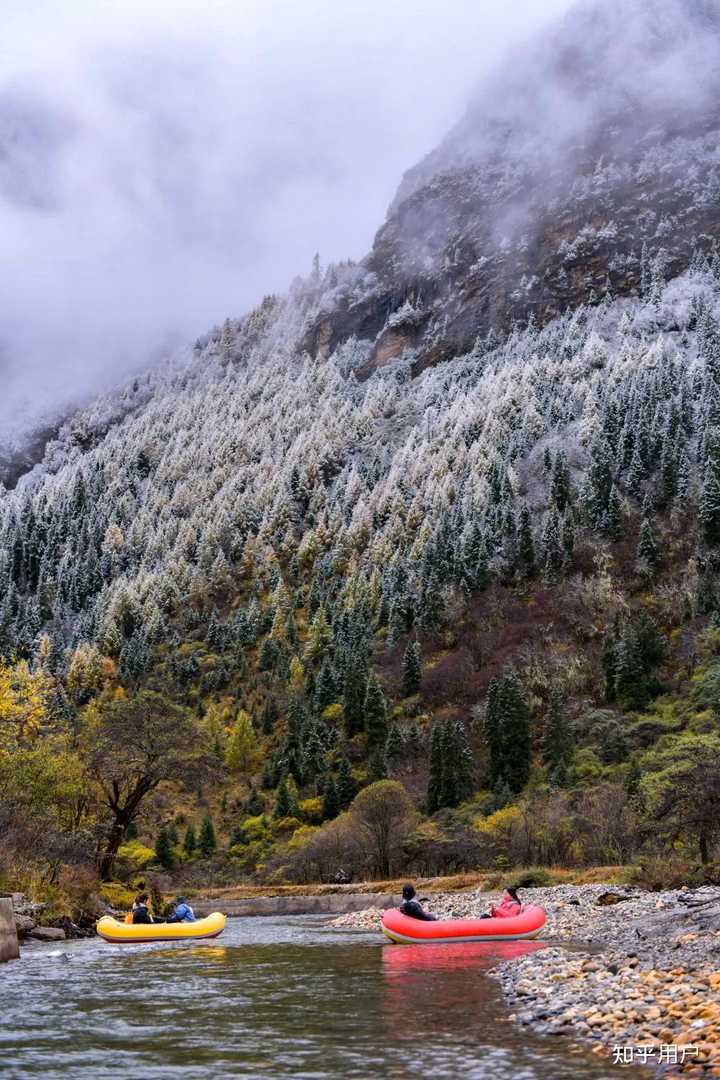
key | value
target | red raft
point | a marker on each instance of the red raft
(406, 931)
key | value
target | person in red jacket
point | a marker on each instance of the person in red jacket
(509, 905)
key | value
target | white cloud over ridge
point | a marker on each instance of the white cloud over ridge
(164, 165)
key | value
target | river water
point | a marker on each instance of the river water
(271, 998)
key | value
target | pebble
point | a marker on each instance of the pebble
(604, 977)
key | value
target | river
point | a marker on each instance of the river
(271, 998)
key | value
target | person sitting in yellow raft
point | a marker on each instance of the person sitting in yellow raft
(183, 912)
(140, 910)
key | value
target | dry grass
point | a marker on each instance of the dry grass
(491, 879)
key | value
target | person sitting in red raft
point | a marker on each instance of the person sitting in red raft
(412, 907)
(508, 906)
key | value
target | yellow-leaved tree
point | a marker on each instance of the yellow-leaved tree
(23, 702)
(241, 752)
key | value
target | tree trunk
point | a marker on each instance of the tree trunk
(106, 857)
(704, 848)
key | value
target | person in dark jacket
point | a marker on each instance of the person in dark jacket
(141, 911)
(412, 907)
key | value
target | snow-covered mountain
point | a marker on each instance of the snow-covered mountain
(587, 162)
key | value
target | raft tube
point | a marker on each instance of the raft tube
(406, 931)
(121, 933)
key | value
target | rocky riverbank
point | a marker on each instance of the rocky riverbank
(635, 973)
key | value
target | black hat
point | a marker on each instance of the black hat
(408, 892)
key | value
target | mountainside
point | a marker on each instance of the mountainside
(376, 534)
(587, 163)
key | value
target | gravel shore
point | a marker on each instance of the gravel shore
(635, 973)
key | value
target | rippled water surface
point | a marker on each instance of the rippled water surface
(270, 998)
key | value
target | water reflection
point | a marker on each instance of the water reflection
(279, 998)
(400, 959)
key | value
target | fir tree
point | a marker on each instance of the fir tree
(331, 800)
(163, 850)
(507, 727)
(286, 804)
(648, 555)
(346, 786)
(208, 842)
(526, 544)
(709, 507)
(375, 714)
(555, 744)
(411, 669)
(190, 841)
(354, 698)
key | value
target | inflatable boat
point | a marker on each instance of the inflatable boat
(406, 931)
(127, 933)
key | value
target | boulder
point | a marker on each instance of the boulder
(607, 899)
(24, 925)
(47, 933)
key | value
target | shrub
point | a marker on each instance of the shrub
(534, 878)
(136, 855)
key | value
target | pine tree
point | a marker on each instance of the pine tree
(709, 507)
(190, 841)
(286, 796)
(375, 715)
(560, 482)
(648, 555)
(613, 519)
(208, 842)
(435, 774)
(326, 691)
(354, 698)
(526, 544)
(269, 715)
(331, 800)
(346, 786)
(163, 850)
(555, 744)
(507, 728)
(411, 669)
(393, 744)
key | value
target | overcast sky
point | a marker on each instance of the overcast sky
(164, 163)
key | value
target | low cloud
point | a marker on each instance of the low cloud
(165, 165)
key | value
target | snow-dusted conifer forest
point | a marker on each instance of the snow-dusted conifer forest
(342, 545)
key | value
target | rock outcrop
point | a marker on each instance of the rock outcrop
(587, 165)
(9, 949)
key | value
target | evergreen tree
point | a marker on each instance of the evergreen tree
(269, 715)
(435, 775)
(208, 841)
(507, 727)
(526, 544)
(354, 698)
(376, 727)
(326, 691)
(614, 519)
(286, 804)
(648, 555)
(555, 744)
(346, 786)
(411, 669)
(163, 850)
(393, 745)
(331, 800)
(709, 507)
(190, 841)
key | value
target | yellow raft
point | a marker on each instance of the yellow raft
(121, 933)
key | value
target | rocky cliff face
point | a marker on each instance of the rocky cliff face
(587, 164)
